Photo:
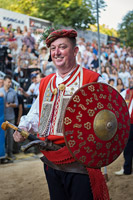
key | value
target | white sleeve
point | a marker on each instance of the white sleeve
(123, 93)
(31, 87)
(31, 120)
(101, 80)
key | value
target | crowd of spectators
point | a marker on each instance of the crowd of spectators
(24, 57)
(25, 54)
(21, 53)
(116, 62)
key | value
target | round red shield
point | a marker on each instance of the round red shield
(96, 125)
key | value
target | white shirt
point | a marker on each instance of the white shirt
(105, 77)
(35, 88)
(130, 59)
(125, 77)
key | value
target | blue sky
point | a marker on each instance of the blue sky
(114, 12)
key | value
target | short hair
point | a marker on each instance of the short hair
(7, 77)
(73, 41)
(111, 79)
(42, 75)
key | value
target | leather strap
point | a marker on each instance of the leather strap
(73, 167)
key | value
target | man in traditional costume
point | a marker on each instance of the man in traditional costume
(67, 179)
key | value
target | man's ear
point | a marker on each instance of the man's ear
(76, 49)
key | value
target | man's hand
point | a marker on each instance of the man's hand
(21, 90)
(32, 90)
(1, 94)
(18, 137)
(13, 105)
(8, 105)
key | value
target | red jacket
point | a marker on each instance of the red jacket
(88, 77)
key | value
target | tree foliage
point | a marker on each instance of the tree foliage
(126, 29)
(105, 30)
(5, 4)
(21, 6)
(75, 13)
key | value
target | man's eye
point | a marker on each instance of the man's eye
(52, 48)
(63, 46)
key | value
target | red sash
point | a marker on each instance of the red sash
(98, 184)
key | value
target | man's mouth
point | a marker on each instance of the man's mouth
(58, 58)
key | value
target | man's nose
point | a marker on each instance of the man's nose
(57, 51)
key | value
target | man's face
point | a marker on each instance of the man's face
(24, 47)
(38, 78)
(7, 83)
(29, 34)
(63, 53)
(35, 62)
(33, 79)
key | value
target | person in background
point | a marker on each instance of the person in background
(32, 56)
(43, 58)
(128, 151)
(14, 54)
(87, 57)
(81, 45)
(111, 82)
(25, 31)
(39, 77)
(114, 75)
(1, 81)
(94, 63)
(23, 61)
(129, 58)
(11, 37)
(35, 50)
(120, 85)
(9, 29)
(3, 30)
(19, 37)
(3, 36)
(95, 49)
(33, 89)
(118, 49)
(19, 111)
(116, 62)
(34, 64)
(104, 74)
(79, 58)
(29, 40)
(124, 75)
(1, 85)
(10, 102)
(54, 92)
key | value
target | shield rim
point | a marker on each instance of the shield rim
(63, 126)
